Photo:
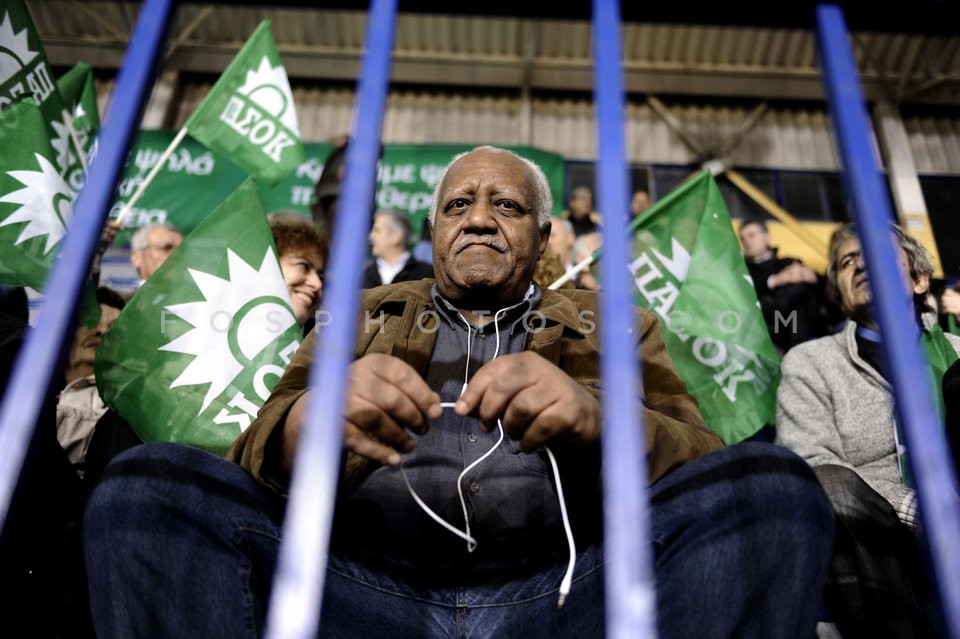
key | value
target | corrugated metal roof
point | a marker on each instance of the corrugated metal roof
(784, 138)
(541, 53)
(519, 80)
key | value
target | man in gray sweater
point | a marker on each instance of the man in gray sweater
(835, 409)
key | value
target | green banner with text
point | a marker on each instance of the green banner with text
(196, 180)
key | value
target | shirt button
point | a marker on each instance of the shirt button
(483, 336)
(475, 488)
(472, 438)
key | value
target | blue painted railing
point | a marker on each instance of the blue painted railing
(934, 475)
(628, 571)
(298, 586)
(37, 373)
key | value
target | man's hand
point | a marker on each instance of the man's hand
(795, 273)
(536, 401)
(950, 302)
(385, 396)
(110, 230)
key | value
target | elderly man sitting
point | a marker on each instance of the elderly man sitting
(478, 393)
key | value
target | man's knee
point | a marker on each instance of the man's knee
(785, 478)
(852, 498)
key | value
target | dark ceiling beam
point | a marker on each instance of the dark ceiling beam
(934, 17)
(503, 74)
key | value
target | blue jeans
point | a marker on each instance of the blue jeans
(180, 543)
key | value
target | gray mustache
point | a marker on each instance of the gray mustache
(492, 242)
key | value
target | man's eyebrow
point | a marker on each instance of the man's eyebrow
(849, 254)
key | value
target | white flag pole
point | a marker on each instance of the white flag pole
(152, 174)
(68, 120)
(571, 272)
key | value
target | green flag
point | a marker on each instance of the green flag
(249, 115)
(25, 72)
(688, 269)
(199, 347)
(79, 94)
(35, 201)
(24, 69)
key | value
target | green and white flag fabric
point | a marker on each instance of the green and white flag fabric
(25, 72)
(202, 343)
(35, 200)
(80, 98)
(688, 269)
(249, 115)
(24, 69)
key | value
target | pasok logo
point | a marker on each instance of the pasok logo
(200, 346)
(232, 326)
(262, 110)
(44, 203)
(22, 70)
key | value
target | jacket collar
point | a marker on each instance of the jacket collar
(556, 307)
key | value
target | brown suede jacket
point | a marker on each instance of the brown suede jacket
(563, 330)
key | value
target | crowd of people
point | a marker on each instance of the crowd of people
(474, 400)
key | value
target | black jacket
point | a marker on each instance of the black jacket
(414, 269)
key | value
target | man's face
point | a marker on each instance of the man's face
(853, 283)
(160, 244)
(753, 241)
(581, 203)
(486, 241)
(561, 241)
(588, 244)
(639, 203)
(86, 340)
(382, 237)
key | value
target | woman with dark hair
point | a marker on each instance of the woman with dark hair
(302, 252)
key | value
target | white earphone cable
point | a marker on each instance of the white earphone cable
(567, 581)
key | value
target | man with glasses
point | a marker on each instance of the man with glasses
(151, 245)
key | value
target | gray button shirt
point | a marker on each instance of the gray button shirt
(510, 496)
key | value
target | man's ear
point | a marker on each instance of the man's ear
(136, 258)
(544, 238)
(922, 284)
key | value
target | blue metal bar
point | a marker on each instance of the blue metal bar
(39, 364)
(295, 603)
(629, 585)
(933, 473)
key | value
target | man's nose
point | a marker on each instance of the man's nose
(482, 216)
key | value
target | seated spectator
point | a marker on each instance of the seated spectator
(786, 289)
(390, 246)
(79, 405)
(639, 203)
(562, 238)
(835, 408)
(950, 308)
(583, 247)
(151, 245)
(423, 248)
(741, 534)
(549, 270)
(326, 198)
(580, 211)
(326, 192)
(42, 578)
(302, 252)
